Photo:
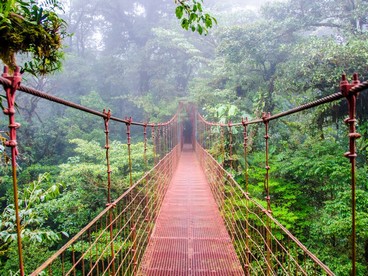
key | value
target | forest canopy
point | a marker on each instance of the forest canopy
(137, 59)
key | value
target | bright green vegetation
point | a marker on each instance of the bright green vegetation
(134, 57)
(32, 28)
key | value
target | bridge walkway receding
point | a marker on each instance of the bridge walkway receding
(190, 237)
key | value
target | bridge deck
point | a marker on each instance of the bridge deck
(190, 237)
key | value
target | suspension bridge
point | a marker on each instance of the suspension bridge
(187, 215)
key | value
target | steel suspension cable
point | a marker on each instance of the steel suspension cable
(43, 95)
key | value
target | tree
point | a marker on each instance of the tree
(36, 234)
(36, 29)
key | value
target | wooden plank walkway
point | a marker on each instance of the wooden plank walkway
(190, 237)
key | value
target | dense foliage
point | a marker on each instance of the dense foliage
(31, 28)
(133, 57)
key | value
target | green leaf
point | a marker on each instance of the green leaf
(193, 17)
(179, 11)
(185, 24)
(199, 6)
(199, 29)
(208, 21)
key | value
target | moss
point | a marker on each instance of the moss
(33, 30)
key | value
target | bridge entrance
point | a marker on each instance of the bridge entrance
(188, 132)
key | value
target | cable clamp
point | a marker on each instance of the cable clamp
(11, 143)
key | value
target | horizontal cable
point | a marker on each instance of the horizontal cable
(331, 98)
(328, 99)
(58, 100)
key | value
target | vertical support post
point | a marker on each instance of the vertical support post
(246, 178)
(128, 125)
(147, 218)
(195, 127)
(158, 146)
(154, 191)
(230, 145)
(222, 145)
(107, 147)
(165, 139)
(145, 147)
(209, 129)
(171, 136)
(265, 118)
(351, 97)
(154, 144)
(12, 143)
(132, 222)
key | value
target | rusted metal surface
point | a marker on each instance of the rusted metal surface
(10, 90)
(88, 253)
(190, 237)
(128, 221)
(263, 245)
(114, 242)
(347, 90)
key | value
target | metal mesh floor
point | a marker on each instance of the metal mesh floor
(190, 237)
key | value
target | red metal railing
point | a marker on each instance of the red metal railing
(263, 245)
(89, 252)
(115, 240)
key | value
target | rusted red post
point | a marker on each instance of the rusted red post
(154, 144)
(128, 132)
(230, 145)
(345, 87)
(107, 147)
(145, 164)
(246, 179)
(158, 140)
(132, 222)
(265, 118)
(145, 146)
(222, 145)
(12, 143)
(164, 139)
(208, 136)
